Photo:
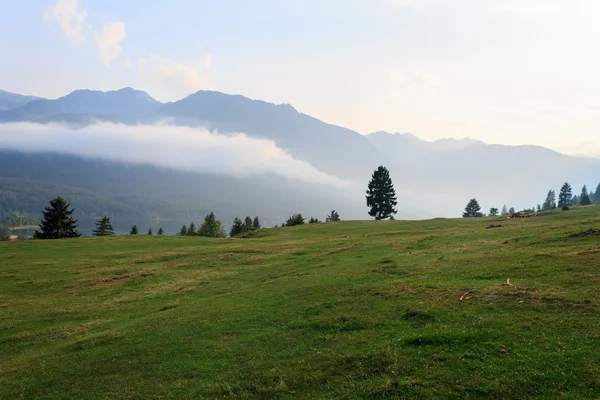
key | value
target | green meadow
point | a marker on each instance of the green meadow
(349, 310)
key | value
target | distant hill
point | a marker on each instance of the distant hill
(9, 100)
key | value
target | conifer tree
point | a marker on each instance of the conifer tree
(565, 197)
(160, 232)
(247, 224)
(212, 227)
(550, 203)
(103, 227)
(134, 230)
(191, 230)
(237, 228)
(504, 210)
(333, 217)
(584, 198)
(381, 196)
(493, 212)
(313, 220)
(183, 230)
(256, 224)
(597, 194)
(511, 210)
(575, 200)
(150, 232)
(57, 222)
(472, 210)
(296, 219)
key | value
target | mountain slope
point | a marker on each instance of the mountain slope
(329, 148)
(9, 100)
(124, 102)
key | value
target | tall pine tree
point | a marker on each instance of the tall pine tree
(550, 203)
(472, 210)
(584, 198)
(212, 227)
(597, 194)
(103, 227)
(247, 224)
(134, 230)
(57, 222)
(256, 224)
(183, 230)
(565, 197)
(333, 217)
(237, 228)
(381, 196)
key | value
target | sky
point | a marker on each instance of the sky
(502, 71)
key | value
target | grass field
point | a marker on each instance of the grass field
(308, 313)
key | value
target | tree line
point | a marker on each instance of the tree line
(565, 201)
(381, 201)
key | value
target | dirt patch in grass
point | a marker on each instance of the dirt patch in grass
(116, 278)
(586, 233)
(165, 255)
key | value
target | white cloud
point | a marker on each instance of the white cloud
(184, 148)
(127, 62)
(69, 17)
(108, 41)
(177, 79)
(417, 79)
(529, 9)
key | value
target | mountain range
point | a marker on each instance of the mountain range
(431, 178)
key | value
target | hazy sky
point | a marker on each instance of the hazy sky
(504, 71)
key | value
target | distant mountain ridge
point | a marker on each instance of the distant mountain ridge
(9, 100)
(438, 176)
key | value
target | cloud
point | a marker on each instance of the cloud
(69, 17)
(177, 78)
(529, 9)
(184, 148)
(108, 41)
(127, 62)
(418, 79)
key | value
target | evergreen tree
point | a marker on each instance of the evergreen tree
(493, 212)
(150, 232)
(211, 227)
(134, 230)
(57, 222)
(237, 228)
(565, 197)
(103, 227)
(511, 210)
(381, 196)
(472, 210)
(550, 203)
(313, 220)
(183, 231)
(539, 208)
(191, 230)
(256, 224)
(333, 217)
(160, 232)
(575, 200)
(597, 194)
(584, 198)
(247, 224)
(296, 219)
(504, 210)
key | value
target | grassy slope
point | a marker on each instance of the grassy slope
(307, 313)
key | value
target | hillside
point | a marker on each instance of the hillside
(9, 100)
(356, 310)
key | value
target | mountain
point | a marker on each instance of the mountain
(145, 192)
(9, 100)
(431, 178)
(327, 147)
(126, 103)
(406, 146)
